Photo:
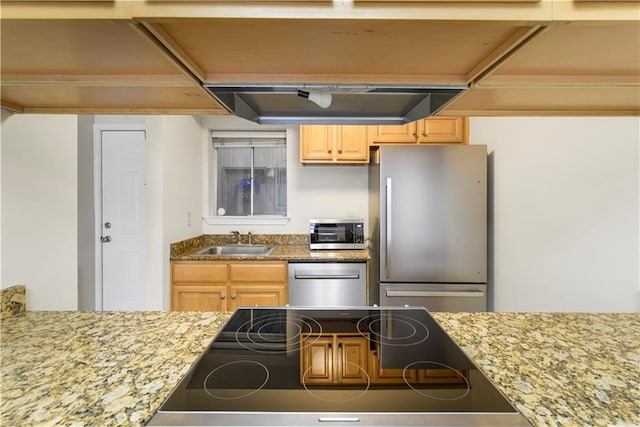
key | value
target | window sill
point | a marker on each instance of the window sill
(246, 220)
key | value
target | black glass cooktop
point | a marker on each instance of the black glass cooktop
(340, 366)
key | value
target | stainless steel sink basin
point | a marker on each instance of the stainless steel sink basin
(238, 250)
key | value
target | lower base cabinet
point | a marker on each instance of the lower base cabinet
(348, 359)
(198, 297)
(333, 359)
(225, 286)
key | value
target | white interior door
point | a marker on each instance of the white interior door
(123, 245)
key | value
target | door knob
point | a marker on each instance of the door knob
(107, 225)
(105, 239)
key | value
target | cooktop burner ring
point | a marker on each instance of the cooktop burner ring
(261, 324)
(239, 396)
(440, 366)
(419, 331)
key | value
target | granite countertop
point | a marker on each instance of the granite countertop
(290, 247)
(282, 253)
(105, 368)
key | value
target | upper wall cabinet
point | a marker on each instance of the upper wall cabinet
(333, 144)
(427, 131)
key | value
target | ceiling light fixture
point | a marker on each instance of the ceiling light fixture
(323, 99)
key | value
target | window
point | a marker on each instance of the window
(250, 173)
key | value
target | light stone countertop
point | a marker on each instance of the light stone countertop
(288, 247)
(283, 253)
(115, 368)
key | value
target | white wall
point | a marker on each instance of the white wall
(39, 209)
(4, 115)
(312, 190)
(564, 195)
(174, 187)
(86, 215)
(40, 200)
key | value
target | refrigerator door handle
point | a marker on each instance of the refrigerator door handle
(387, 258)
(476, 294)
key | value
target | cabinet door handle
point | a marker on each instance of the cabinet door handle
(233, 296)
(329, 150)
(222, 296)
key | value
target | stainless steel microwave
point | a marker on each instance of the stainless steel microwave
(336, 234)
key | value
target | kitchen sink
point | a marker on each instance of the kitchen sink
(237, 250)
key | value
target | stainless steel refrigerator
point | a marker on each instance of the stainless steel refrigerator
(428, 227)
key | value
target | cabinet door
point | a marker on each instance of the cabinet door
(334, 359)
(316, 142)
(352, 360)
(442, 130)
(198, 286)
(257, 283)
(389, 134)
(316, 359)
(351, 144)
(262, 295)
(199, 297)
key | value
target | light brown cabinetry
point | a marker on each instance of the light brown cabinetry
(334, 359)
(441, 376)
(225, 286)
(257, 283)
(198, 286)
(347, 359)
(333, 144)
(427, 131)
(380, 375)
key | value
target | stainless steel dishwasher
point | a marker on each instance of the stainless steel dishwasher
(332, 284)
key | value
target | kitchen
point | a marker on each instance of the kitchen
(603, 213)
(517, 335)
(607, 208)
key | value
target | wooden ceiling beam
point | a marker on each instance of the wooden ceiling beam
(157, 35)
(172, 80)
(124, 111)
(492, 62)
(391, 79)
(537, 112)
(555, 80)
(15, 108)
(52, 10)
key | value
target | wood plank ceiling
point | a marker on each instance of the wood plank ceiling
(151, 57)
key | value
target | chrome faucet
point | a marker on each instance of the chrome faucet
(249, 236)
(236, 233)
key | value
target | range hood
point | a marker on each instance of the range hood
(364, 104)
